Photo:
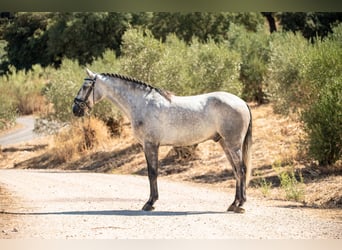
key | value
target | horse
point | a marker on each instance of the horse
(159, 118)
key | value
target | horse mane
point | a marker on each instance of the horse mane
(166, 94)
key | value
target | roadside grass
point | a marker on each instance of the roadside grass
(79, 138)
(292, 186)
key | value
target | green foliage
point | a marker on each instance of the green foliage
(254, 50)
(21, 94)
(141, 55)
(323, 124)
(46, 38)
(3, 57)
(287, 63)
(310, 24)
(7, 105)
(293, 188)
(265, 187)
(27, 40)
(202, 25)
(85, 36)
(213, 67)
(306, 78)
(182, 69)
(62, 88)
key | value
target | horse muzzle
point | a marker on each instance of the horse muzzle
(77, 110)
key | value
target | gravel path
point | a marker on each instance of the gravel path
(23, 134)
(63, 205)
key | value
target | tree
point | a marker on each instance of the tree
(85, 36)
(203, 25)
(271, 21)
(310, 24)
(27, 40)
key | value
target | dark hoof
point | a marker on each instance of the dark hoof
(231, 208)
(235, 209)
(148, 207)
(239, 210)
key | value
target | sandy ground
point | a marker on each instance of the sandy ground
(63, 205)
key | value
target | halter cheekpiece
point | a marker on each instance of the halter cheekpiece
(83, 103)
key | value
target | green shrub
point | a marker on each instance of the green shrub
(306, 78)
(175, 66)
(322, 114)
(285, 72)
(293, 187)
(7, 106)
(62, 89)
(141, 54)
(213, 67)
(254, 50)
(21, 94)
(323, 124)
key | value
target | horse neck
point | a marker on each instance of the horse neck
(125, 96)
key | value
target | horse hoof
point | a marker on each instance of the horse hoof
(239, 210)
(148, 207)
(231, 208)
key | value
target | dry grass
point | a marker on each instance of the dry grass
(33, 103)
(82, 137)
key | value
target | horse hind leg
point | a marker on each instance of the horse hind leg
(234, 156)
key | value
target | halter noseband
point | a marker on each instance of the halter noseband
(83, 103)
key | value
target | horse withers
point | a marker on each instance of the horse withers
(159, 118)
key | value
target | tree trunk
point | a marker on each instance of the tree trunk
(270, 20)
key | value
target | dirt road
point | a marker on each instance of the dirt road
(23, 134)
(62, 205)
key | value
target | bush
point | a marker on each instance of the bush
(306, 78)
(323, 111)
(62, 89)
(21, 94)
(182, 69)
(286, 71)
(322, 122)
(7, 107)
(254, 50)
(213, 67)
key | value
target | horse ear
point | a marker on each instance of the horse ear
(90, 74)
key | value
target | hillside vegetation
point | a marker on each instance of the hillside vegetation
(298, 73)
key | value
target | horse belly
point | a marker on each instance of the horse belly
(180, 134)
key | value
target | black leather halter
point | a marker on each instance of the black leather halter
(82, 104)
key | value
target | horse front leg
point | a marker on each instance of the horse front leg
(151, 155)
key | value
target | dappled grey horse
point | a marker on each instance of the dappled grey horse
(159, 118)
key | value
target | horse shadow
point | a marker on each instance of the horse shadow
(124, 212)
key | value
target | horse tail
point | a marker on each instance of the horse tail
(246, 149)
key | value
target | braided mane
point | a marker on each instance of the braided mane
(167, 95)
